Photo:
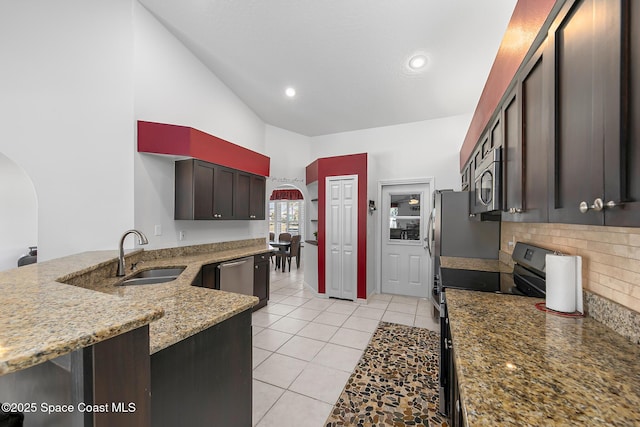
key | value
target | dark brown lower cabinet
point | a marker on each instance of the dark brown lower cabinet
(205, 380)
(107, 384)
(261, 275)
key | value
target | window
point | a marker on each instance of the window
(404, 216)
(286, 216)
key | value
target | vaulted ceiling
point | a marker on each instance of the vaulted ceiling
(346, 59)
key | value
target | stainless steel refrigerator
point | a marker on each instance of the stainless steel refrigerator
(453, 233)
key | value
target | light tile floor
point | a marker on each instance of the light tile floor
(305, 347)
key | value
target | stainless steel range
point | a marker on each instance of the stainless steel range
(527, 279)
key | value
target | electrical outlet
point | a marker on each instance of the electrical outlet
(157, 230)
(182, 235)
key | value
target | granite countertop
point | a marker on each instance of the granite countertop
(518, 366)
(61, 305)
(474, 264)
(42, 319)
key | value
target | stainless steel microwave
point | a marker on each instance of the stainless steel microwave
(486, 192)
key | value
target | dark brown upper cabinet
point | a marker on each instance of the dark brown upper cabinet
(525, 156)
(257, 194)
(205, 190)
(594, 150)
(250, 196)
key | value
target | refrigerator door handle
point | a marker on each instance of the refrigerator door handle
(429, 237)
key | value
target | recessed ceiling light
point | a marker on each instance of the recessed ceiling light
(418, 62)
(290, 92)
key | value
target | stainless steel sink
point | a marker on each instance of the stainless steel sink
(156, 275)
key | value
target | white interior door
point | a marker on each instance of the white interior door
(342, 236)
(406, 265)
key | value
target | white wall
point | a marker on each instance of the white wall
(414, 150)
(18, 213)
(173, 86)
(290, 154)
(66, 110)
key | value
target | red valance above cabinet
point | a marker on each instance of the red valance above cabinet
(161, 138)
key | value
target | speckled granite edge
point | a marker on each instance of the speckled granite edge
(188, 309)
(48, 318)
(518, 366)
(65, 345)
(470, 263)
(180, 251)
(622, 320)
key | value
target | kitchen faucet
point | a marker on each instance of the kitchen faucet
(142, 240)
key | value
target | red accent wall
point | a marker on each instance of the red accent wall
(354, 164)
(161, 138)
(526, 21)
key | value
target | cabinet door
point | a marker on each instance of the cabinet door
(257, 197)
(243, 195)
(496, 133)
(202, 190)
(223, 193)
(474, 204)
(585, 84)
(210, 276)
(622, 161)
(535, 99)
(512, 158)
(261, 279)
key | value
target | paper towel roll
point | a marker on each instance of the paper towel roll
(564, 283)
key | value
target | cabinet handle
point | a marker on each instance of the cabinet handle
(515, 210)
(596, 206)
(611, 204)
(256, 267)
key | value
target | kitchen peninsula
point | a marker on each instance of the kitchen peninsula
(65, 313)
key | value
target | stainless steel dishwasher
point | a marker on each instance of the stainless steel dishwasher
(237, 276)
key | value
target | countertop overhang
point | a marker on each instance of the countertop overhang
(43, 318)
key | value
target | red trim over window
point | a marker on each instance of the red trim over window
(292, 194)
(161, 138)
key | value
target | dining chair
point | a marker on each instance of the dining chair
(294, 251)
(284, 237)
(281, 255)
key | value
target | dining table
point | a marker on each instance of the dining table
(282, 246)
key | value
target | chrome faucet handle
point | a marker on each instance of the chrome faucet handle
(142, 240)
